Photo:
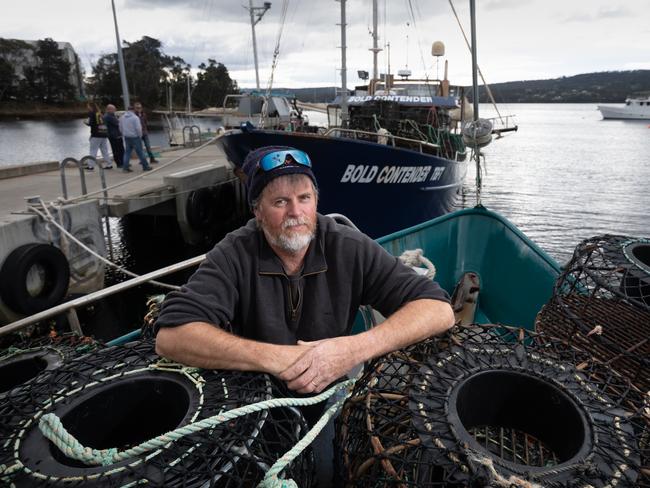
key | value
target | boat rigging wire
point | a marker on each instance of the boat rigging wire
(487, 87)
(276, 55)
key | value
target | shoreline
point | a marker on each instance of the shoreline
(40, 111)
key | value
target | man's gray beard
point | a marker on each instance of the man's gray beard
(291, 244)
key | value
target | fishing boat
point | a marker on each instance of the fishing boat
(380, 180)
(634, 108)
(398, 161)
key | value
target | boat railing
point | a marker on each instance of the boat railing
(69, 308)
(355, 133)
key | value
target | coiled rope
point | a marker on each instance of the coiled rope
(52, 428)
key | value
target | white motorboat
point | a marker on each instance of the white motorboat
(634, 108)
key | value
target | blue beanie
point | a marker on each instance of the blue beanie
(257, 178)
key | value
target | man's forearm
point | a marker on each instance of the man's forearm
(414, 322)
(203, 345)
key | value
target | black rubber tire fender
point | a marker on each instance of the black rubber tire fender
(201, 209)
(14, 274)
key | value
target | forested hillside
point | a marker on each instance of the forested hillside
(603, 87)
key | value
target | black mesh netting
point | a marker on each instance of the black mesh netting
(493, 406)
(119, 397)
(28, 357)
(601, 303)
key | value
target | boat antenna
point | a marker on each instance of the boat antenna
(256, 14)
(120, 61)
(344, 78)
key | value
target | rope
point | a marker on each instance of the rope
(174, 194)
(271, 479)
(52, 428)
(92, 252)
(496, 478)
(414, 258)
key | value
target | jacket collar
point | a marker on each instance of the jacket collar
(270, 263)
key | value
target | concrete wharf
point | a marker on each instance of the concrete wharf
(128, 192)
(53, 234)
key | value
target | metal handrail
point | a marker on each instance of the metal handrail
(93, 297)
(191, 132)
(355, 132)
(82, 176)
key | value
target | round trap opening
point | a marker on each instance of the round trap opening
(22, 369)
(639, 254)
(519, 418)
(125, 414)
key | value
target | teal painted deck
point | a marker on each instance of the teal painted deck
(517, 276)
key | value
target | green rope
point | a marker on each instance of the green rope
(53, 429)
(271, 479)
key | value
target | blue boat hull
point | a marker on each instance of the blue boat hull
(381, 188)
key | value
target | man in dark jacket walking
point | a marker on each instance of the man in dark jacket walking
(114, 135)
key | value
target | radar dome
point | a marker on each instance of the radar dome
(438, 48)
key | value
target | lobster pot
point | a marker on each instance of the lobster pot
(492, 406)
(120, 397)
(601, 303)
(27, 358)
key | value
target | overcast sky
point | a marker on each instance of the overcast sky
(517, 39)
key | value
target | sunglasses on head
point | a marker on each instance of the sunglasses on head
(276, 159)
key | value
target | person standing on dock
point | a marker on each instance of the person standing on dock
(114, 134)
(139, 110)
(280, 294)
(98, 136)
(132, 132)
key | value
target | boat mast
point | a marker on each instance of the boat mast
(472, 13)
(476, 151)
(120, 60)
(255, 18)
(344, 78)
(375, 49)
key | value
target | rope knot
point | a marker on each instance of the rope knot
(415, 258)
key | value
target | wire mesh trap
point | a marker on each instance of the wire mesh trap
(493, 406)
(27, 357)
(601, 303)
(120, 397)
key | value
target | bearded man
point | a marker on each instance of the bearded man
(280, 294)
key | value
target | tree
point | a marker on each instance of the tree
(13, 53)
(147, 68)
(52, 72)
(213, 83)
(7, 78)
